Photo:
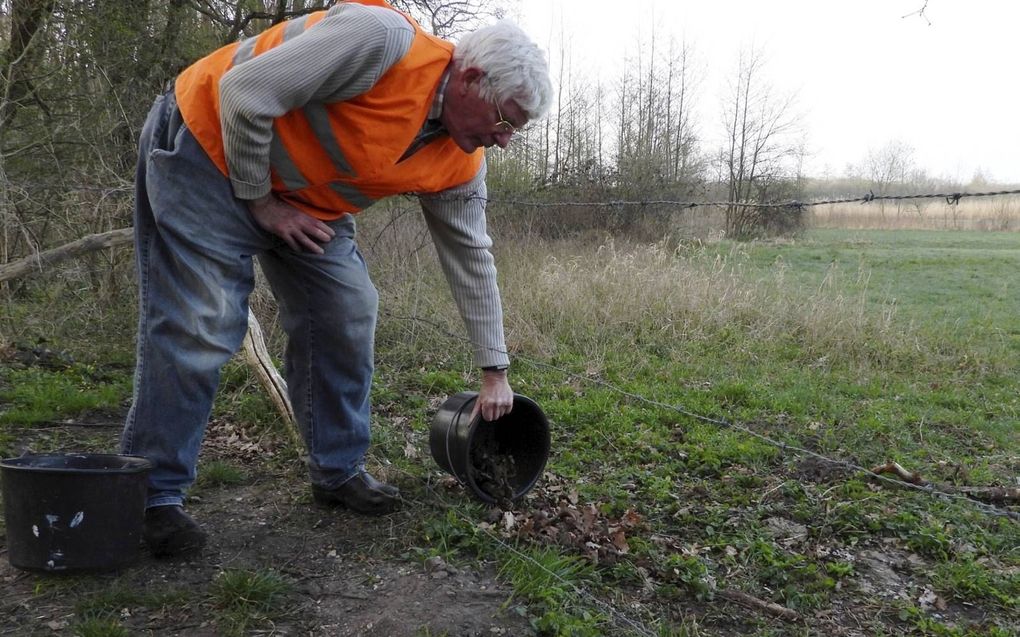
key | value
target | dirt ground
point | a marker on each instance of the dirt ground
(349, 574)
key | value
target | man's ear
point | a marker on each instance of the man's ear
(472, 75)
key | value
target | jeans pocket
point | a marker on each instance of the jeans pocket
(167, 136)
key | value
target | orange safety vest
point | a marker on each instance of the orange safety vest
(330, 159)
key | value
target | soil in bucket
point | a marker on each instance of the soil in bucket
(498, 461)
(73, 512)
(494, 469)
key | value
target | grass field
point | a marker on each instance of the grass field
(863, 346)
(859, 346)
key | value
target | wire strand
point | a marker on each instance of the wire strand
(950, 197)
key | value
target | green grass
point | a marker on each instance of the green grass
(241, 399)
(101, 625)
(960, 286)
(32, 395)
(246, 600)
(864, 347)
(220, 473)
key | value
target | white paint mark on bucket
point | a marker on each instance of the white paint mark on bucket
(78, 517)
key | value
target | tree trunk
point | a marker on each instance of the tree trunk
(27, 20)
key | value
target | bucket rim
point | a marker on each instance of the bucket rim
(134, 464)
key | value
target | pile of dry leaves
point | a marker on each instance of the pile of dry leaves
(553, 515)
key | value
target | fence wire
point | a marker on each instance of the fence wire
(720, 422)
(951, 198)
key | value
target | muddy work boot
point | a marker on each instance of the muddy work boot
(170, 532)
(362, 493)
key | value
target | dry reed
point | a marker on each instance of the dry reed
(1000, 214)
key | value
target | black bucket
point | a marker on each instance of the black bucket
(74, 512)
(461, 446)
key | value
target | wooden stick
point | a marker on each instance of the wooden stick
(782, 612)
(257, 357)
(994, 495)
(897, 469)
(87, 244)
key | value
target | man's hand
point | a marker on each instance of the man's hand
(301, 232)
(495, 399)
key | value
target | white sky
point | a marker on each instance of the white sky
(864, 74)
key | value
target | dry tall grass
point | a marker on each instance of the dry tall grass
(595, 297)
(1000, 214)
(599, 298)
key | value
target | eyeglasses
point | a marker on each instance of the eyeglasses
(503, 125)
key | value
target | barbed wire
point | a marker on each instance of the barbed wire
(951, 198)
(720, 422)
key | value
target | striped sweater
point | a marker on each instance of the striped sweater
(337, 59)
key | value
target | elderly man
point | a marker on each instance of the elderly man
(267, 148)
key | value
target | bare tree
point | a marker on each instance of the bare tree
(888, 167)
(449, 18)
(761, 145)
(657, 144)
(18, 60)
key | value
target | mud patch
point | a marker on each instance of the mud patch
(341, 569)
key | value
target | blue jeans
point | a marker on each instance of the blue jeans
(194, 245)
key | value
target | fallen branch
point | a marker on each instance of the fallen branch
(994, 495)
(897, 469)
(753, 602)
(257, 357)
(91, 243)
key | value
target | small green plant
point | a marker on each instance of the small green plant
(839, 569)
(102, 624)
(552, 583)
(970, 581)
(247, 598)
(97, 607)
(220, 473)
(692, 573)
(240, 400)
(931, 541)
(544, 573)
(447, 534)
(688, 628)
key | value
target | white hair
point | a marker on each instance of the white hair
(515, 68)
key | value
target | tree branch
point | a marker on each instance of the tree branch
(995, 495)
(91, 243)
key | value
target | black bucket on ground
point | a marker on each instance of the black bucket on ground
(74, 512)
(498, 461)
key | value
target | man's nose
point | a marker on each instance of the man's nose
(502, 138)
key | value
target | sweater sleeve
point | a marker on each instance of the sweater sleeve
(338, 58)
(456, 221)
